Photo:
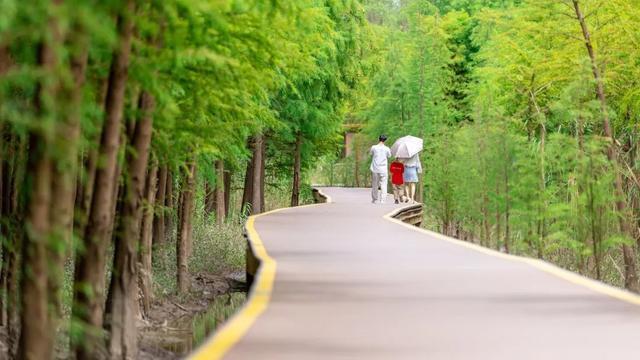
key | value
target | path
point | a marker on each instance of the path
(353, 285)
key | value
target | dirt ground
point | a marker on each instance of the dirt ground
(167, 334)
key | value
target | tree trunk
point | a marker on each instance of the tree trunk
(36, 340)
(356, 160)
(263, 160)
(169, 208)
(15, 206)
(297, 155)
(84, 190)
(498, 216)
(91, 262)
(423, 124)
(220, 195)
(118, 189)
(227, 192)
(486, 239)
(5, 194)
(63, 181)
(252, 192)
(542, 207)
(507, 209)
(247, 194)
(159, 213)
(628, 252)
(11, 237)
(209, 198)
(595, 233)
(146, 238)
(120, 319)
(3, 238)
(5, 59)
(6, 213)
(87, 177)
(183, 243)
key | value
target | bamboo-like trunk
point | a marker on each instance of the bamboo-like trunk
(16, 241)
(146, 238)
(297, 155)
(507, 212)
(84, 190)
(183, 243)
(36, 340)
(121, 314)
(159, 231)
(595, 228)
(542, 208)
(247, 194)
(263, 161)
(6, 215)
(209, 198)
(253, 196)
(86, 180)
(498, 217)
(227, 192)
(220, 195)
(91, 262)
(64, 179)
(5, 194)
(356, 160)
(170, 207)
(628, 252)
(5, 59)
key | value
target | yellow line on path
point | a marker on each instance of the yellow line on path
(569, 276)
(224, 339)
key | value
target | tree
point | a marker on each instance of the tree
(91, 262)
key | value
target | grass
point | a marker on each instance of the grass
(222, 308)
(215, 249)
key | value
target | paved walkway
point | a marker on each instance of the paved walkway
(353, 285)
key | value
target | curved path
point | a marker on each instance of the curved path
(351, 284)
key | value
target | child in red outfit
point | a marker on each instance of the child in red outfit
(397, 171)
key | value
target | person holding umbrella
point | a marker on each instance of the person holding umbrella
(409, 148)
(379, 170)
(412, 168)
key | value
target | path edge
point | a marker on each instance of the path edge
(572, 277)
(220, 342)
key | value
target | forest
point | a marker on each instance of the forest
(130, 126)
(137, 136)
(529, 111)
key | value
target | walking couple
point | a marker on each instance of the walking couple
(404, 174)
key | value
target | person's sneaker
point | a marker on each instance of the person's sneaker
(373, 201)
(397, 202)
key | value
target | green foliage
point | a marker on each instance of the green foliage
(504, 95)
(222, 308)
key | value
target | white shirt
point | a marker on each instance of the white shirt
(380, 153)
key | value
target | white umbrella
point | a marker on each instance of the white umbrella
(406, 147)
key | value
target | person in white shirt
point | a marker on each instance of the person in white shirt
(379, 170)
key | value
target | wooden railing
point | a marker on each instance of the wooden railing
(252, 263)
(412, 214)
(319, 197)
